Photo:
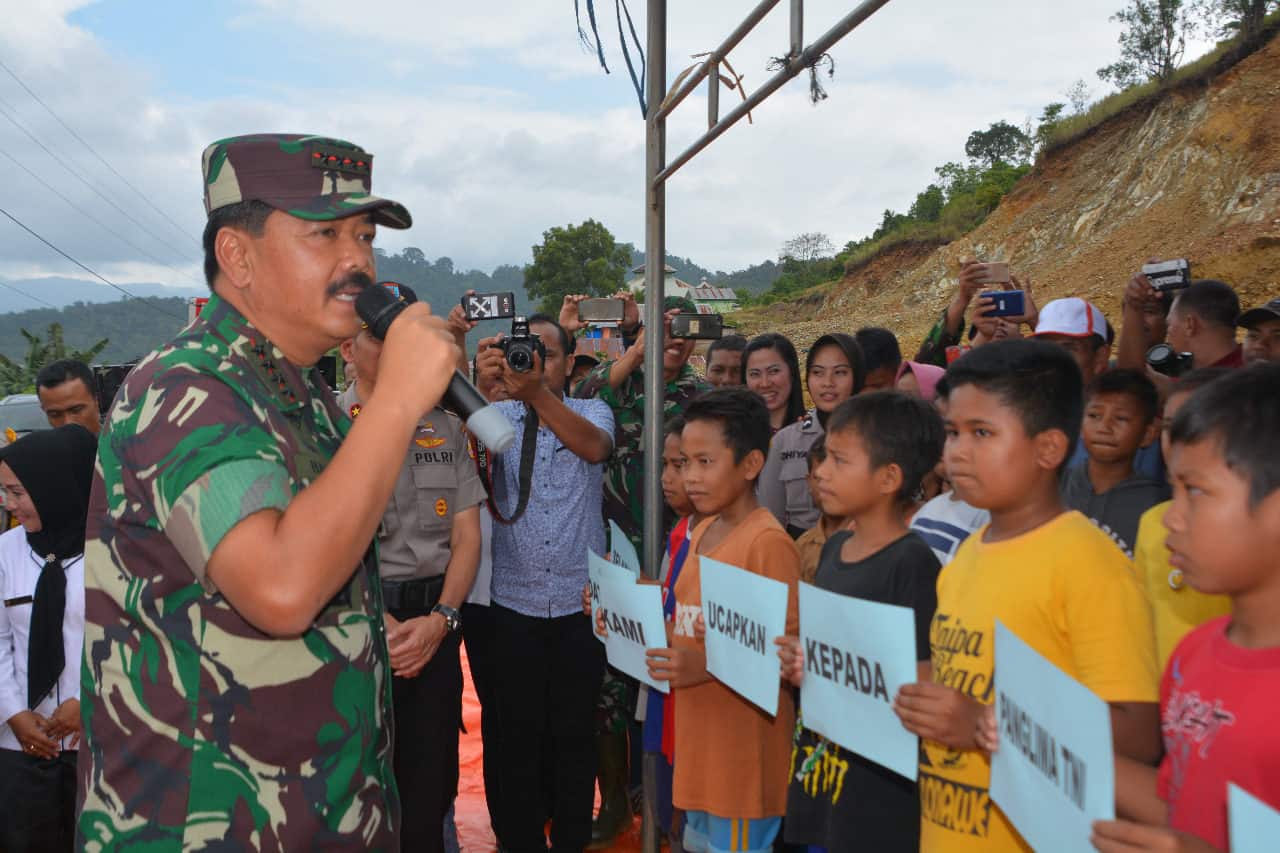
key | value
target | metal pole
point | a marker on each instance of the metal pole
(797, 64)
(655, 253)
(712, 62)
(797, 27)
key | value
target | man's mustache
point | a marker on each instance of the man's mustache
(357, 280)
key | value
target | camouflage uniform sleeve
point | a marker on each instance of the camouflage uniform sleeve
(594, 382)
(204, 457)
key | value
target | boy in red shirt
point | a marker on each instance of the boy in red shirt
(1222, 684)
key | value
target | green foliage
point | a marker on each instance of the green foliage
(1224, 56)
(575, 259)
(1000, 143)
(1231, 18)
(17, 377)
(1152, 41)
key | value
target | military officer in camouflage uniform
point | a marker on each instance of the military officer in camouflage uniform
(235, 682)
(428, 553)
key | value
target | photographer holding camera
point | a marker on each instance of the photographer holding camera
(1201, 321)
(547, 492)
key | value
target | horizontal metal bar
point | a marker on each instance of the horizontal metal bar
(798, 64)
(713, 60)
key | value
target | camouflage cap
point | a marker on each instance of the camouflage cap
(310, 177)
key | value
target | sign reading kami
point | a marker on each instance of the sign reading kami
(1053, 774)
(1254, 825)
(856, 655)
(622, 551)
(744, 613)
(633, 615)
(598, 567)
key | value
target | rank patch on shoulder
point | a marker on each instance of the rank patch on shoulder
(442, 507)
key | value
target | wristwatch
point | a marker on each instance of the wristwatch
(452, 618)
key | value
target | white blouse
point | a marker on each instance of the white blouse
(19, 570)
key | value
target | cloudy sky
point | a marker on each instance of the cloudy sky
(492, 123)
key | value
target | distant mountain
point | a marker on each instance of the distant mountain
(62, 292)
(90, 311)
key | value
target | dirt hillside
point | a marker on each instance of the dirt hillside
(1195, 175)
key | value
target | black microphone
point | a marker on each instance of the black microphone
(378, 307)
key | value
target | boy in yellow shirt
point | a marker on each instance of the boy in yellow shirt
(1176, 608)
(1013, 415)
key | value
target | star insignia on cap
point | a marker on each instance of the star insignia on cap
(355, 410)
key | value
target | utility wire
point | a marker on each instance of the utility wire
(95, 219)
(16, 290)
(94, 152)
(74, 173)
(88, 269)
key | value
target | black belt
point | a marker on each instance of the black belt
(420, 594)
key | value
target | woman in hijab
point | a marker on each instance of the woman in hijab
(46, 477)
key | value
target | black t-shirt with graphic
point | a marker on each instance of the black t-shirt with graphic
(846, 802)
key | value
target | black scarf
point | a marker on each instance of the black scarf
(56, 469)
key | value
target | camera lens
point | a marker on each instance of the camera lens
(1159, 355)
(520, 359)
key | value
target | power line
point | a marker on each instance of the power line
(64, 164)
(16, 290)
(95, 219)
(95, 153)
(87, 269)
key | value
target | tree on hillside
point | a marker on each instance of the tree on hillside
(575, 259)
(17, 378)
(1227, 18)
(1152, 41)
(1000, 143)
(1078, 93)
(807, 247)
(1047, 122)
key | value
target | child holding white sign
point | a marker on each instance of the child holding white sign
(879, 447)
(1219, 692)
(1013, 413)
(731, 759)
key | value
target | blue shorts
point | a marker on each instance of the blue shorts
(707, 833)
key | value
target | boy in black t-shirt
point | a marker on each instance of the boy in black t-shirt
(879, 447)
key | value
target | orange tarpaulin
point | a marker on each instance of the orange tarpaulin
(471, 814)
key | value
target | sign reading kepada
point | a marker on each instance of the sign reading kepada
(1254, 825)
(856, 655)
(1053, 774)
(633, 615)
(744, 613)
(597, 568)
(622, 551)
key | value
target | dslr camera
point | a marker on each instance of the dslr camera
(520, 347)
(1167, 361)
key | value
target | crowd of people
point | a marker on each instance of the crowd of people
(244, 627)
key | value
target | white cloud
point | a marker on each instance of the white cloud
(485, 172)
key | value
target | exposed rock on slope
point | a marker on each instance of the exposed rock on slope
(1197, 175)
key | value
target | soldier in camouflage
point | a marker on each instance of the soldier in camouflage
(235, 683)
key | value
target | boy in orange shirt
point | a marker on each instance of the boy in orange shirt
(731, 759)
(1053, 578)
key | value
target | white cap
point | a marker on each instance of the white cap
(1073, 317)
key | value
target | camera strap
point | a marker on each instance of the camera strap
(491, 465)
